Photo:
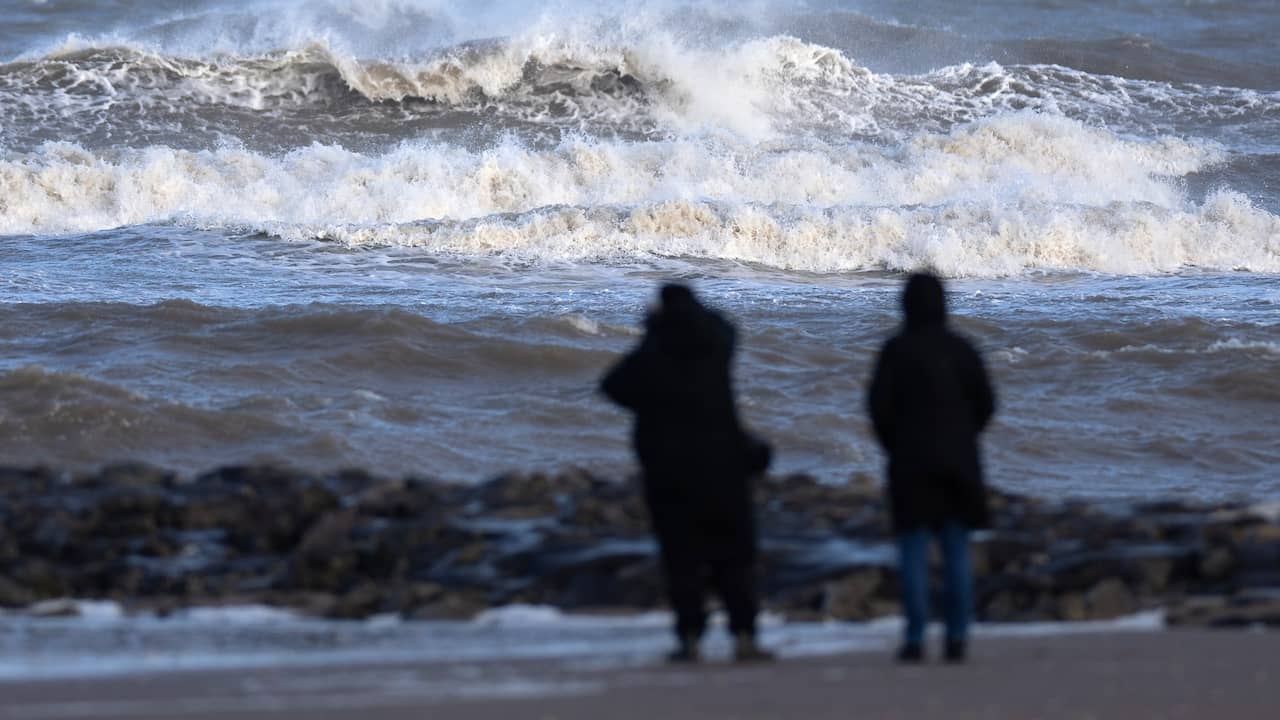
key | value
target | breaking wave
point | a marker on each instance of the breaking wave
(757, 88)
(996, 197)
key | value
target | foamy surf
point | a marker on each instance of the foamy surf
(761, 88)
(998, 197)
(255, 637)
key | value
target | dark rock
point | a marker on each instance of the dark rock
(28, 481)
(134, 474)
(1246, 610)
(408, 499)
(40, 577)
(852, 596)
(1217, 564)
(1016, 598)
(1147, 566)
(619, 572)
(359, 602)
(13, 595)
(1110, 598)
(1072, 607)
(526, 496)
(1006, 553)
(459, 604)
(1258, 557)
(352, 544)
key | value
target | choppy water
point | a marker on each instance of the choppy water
(410, 234)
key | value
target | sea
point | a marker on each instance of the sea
(409, 236)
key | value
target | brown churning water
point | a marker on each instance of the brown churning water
(409, 236)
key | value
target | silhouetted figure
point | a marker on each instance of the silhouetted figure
(929, 400)
(698, 465)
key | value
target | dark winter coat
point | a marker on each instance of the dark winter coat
(687, 435)
(930, 397)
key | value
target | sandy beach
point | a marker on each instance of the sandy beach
(1169, 674)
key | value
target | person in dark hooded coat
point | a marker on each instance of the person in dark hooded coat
(930, 397)
(697, 464)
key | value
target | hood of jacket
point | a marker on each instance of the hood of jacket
(684, 326)
(923, 301)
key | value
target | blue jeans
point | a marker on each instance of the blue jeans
(913, 576)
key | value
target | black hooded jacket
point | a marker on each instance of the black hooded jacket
(678, 384)
(930, 397)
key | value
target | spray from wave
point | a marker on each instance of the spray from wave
(654, 71)
(991, 198)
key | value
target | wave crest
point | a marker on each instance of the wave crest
(998, 197)
(757, 88)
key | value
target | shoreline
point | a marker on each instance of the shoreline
(106, 643)
(1175, 674)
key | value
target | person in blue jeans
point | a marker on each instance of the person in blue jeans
(930, 398)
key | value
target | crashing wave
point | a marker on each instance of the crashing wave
(756, 87)
(997, 197)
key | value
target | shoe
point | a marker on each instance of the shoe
(911, 653)
(747, 650)
(954, 651)
(687, 652)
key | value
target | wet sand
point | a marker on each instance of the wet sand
(1170, 674)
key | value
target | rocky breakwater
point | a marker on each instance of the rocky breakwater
(350, 545)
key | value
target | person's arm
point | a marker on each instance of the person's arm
(880, 398)
(626, 383)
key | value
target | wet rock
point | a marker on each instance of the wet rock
(13, 595)
(1006, 553)
(799, 501)
(419, 594)
(1072, 607)
(9, 549)
(1245, 610)
(1150, 567)
(852, 596)
(1016, 598)
(1258, 557)
(326, 558)
(408, 499)
(453, 604)
(351, 544)
(263, 509)
(1153, 572)
(620, 572)
(28, 481)
(1217, 564)
(616, 508)
(134, 474)
(359, 602)
(526, 496)
(40, 577)
(1110, 598)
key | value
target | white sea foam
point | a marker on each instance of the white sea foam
(647, 69)
(249, 637)
(1233, 344)
(996, 197)
(1230, 345)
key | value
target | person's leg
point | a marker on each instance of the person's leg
(687, 593)
(913, 582)
(734, 580)
(729, 531)
(735, 583)
(682, 568)
(958, 570)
